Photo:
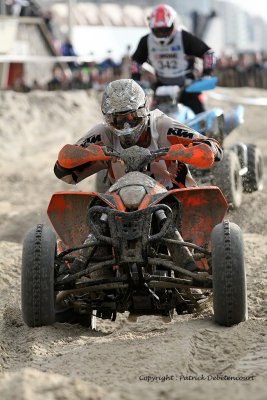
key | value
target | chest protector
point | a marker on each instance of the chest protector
(168, 60)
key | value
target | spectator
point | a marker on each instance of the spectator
(55, 82)
(108, 69)
(126, 63)
(19, 84)
(241, 68)
(17, 7)
(68, 51)
(47, 17)
(23, 8)
(36, 85)
(254, 70)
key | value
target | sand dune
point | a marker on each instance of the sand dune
(189, 358)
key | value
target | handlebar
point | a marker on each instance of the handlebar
(136, 158)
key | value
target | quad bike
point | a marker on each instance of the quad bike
(137, 248)
(242, 166)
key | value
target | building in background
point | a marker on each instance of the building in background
(101, 29)
(24, 41)
(241, 31)
(233, 29)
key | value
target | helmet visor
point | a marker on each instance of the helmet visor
(162, 32)
(132, 118)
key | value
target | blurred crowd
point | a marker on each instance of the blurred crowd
(245, 69)
(86, 75)
(78, 75)
(23, 8)
(236, 70)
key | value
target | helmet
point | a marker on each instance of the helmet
(125, 110)
(161, 22)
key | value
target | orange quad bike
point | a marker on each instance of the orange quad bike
(136, 248)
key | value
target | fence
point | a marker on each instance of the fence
(230, 77)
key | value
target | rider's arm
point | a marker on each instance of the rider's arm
(138, 58)
(193, 46)
(97, 135)
(182, 134)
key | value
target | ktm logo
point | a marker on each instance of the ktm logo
(91, 139)
(180, 133)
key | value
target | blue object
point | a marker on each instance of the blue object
(212, 123)
(203, 84)
(233, 118)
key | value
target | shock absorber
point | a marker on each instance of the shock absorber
(84, 254)
(180, 254)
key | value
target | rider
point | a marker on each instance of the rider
(128, 122)
(171, 51)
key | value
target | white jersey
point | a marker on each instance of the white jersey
(160, 126)
(168, 60)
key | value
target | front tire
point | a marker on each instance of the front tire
(253, 180)
(228, 271)
(37, 277)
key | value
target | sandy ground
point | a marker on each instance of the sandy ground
(189, 358)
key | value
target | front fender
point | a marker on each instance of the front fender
(233, 118)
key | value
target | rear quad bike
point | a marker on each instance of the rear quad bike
(137, 248)
(241, 169)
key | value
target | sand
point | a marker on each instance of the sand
(189, 358)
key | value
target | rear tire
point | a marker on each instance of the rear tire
(37, 277)
(228, 271)
(227, 178)
(253, 180)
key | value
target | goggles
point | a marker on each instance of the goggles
(162, 32)
(133, 118)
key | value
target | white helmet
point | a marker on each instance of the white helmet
(125, 110)
(162, 23)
